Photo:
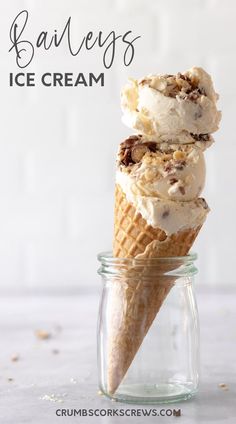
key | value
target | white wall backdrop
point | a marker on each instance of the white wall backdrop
(58, 145)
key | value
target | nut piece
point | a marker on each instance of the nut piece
(178, 155)
(15, 358)
(42, 334)
(138, 152)
(223, 386)
(150, 174)
(165, 157)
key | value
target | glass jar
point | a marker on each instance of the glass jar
(148, 331)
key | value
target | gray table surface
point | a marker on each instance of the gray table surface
(38, 377)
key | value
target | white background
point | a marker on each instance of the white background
(58, 145)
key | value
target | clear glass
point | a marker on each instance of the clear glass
(148, 329)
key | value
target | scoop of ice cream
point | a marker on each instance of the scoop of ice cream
(172, 172)
(169, 215)
(170, 104)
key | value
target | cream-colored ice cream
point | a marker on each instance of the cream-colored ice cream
(161, 170)
(172, 172)
(163, 185)
(169, 215)
(169, 104)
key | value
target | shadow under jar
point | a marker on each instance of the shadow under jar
(148, 330)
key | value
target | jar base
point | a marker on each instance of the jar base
(152, 393)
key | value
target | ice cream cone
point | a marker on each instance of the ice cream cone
(133, 236)
(136, 299)
(158, 209)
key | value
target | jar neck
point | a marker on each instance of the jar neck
(181, 266)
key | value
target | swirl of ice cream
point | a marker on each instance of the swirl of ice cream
(170, 104)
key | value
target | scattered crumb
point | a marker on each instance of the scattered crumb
(42, 334)
(10, 379)
(54, 397)
(15, 358)
(73, 380)
(100, 393)
(223, 386)
(55, 351)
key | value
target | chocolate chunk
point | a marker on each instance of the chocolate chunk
(183, 77)
(127, 159)
(138, 152)
(179, 75)
(132, 149)
(202, 91)
(182, 190)
(198, 114)
(152, 145)
(144, 81)
(173, 94)
(168, 167)
(193, 95)
(180, 164)
(204, 204)
(173, 181)
(200, 137)
(165, 214)
(128, 142)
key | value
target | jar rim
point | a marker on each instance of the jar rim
(178, 266)
(108, 258)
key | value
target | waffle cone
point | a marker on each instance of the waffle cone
(137, 297)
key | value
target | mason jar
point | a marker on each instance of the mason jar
(148, 330)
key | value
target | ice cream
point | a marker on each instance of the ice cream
(158, 212)
(169, 104)
(163, 182)
(166, 171)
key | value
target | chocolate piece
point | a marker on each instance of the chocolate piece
(198, 114)
(152, 145)
(194, 95)
(204, 203)
(127, 159)
(184, 77)
(138, 152)
(182, 190)
(180, 164)
(132, 149)
(165, 214)
(181, 85)
(130, 141)
(200, 137)
(173, 181)
(168, 167)
(144, 81)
